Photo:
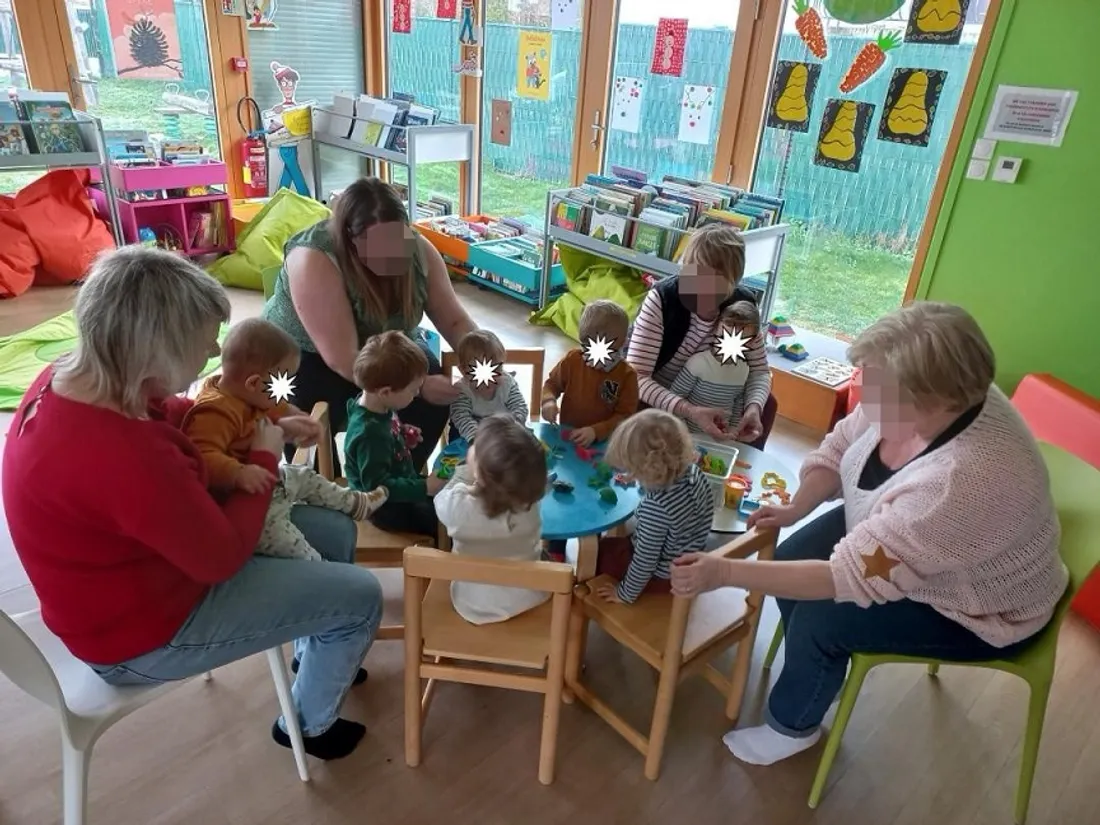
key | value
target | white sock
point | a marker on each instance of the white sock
(764, 746)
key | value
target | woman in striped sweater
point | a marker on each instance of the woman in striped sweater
(678, 318)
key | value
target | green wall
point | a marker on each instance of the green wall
(1025, 258)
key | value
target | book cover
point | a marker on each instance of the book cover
(609, 227)
(12, 139)
(380, 130)
(54, 126)
(363, 125)
(649, 239)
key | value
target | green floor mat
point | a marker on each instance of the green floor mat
(23, 356)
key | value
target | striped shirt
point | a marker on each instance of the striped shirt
(645, 344)
(706, 382)
(469, 408)
(671, 521)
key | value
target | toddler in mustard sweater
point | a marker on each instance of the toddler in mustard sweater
(224, 419)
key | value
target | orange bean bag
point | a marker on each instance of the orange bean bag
(55, 216)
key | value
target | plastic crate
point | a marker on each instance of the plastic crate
(527, 276)
(448, 245)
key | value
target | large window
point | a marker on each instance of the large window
(13, 74)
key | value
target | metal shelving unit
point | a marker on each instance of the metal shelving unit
(91, 130)
(439, 143)
(763, 253)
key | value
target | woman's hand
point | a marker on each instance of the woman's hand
(439, 390)
(751, 427)
(268, 438)
(301, 430)
(695, 573)
(774, 516)
(710, 420)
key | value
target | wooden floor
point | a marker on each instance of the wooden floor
(918, 750)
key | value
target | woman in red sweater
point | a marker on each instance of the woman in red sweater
(139, 570)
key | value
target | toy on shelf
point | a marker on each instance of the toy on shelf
(735, 490)
(794, 352)
(608, 496)
(778, 329)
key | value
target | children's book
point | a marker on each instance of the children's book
(380, 130)
(340, 122)
(362, 128)
(609, 227)
(416, 115)
(12, 139)
(53, 126)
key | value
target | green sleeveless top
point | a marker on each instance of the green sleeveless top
(280, 311)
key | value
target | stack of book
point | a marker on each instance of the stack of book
(38, 123)
(381, 122)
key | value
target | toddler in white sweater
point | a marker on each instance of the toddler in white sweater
(716, 379)
(486, 388)
(491, 508)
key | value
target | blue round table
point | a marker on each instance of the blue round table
(579, 514)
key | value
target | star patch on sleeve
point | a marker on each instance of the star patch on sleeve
(878, 564)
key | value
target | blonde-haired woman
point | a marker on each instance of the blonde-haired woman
(363, 271)
(139, 570)
(679, 318)
(947, 543)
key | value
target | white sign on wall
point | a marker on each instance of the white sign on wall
(1025, 114)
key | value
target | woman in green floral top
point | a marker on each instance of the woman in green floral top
(358, 273)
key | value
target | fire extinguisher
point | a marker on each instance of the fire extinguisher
(253, 150)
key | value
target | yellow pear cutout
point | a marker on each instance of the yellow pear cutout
(909, 115)
(791, 105)
(939, 16)
(839, 143)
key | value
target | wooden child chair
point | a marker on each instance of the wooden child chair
(677, 637)
(442, 646)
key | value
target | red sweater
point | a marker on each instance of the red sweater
(113, 522)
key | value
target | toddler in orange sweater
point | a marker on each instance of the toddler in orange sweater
(224, 419)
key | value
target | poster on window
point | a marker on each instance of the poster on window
(697, 114)
(844, 129)
(501, 131)
(533, 65)
(261, 15)
(233, 8)
(565, 14)
(910, 106)
(626, 104)
(668, 47)
(144, 39)
(446, 9)
(792, 98)
(401, 18)
(936, 21)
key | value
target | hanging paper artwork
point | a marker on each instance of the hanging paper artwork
(810, 28)
(470, 63)
(261, 14)
(792, 97)
(626, 104)
(844, 129)
(401, 19)
(565, 14)
(233, 8)
(869, 60)
(533, 65)
(862, 12)
(910, 106)
(501, 129)
(145, 39)
(446, 9)
(669, 45)
(696, 114)
(936, 21)
(468, 33)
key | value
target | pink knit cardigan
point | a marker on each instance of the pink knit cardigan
(969, 529)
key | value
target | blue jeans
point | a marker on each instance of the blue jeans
(821, 636)
(330, 610)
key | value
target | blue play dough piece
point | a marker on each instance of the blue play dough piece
(581, 511)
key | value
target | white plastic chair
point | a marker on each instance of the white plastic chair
(40, 664)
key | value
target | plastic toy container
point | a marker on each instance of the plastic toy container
(517, 277)
(716, 462)
(448, 245)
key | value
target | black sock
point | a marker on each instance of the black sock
(360, 676)
(335, 743)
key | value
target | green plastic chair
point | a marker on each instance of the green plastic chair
(1075, 485)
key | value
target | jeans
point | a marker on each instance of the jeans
(821, 636)
(330, 611)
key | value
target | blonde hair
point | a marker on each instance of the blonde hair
(935, 351)
(511, 466)
(367, 202)
(604, 318)
(254, 346)
(142, 318)
(653, 446)
(719, 247)
(479, 345)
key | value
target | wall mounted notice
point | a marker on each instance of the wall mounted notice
(1026, 114)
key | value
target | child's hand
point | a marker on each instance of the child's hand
(609, 592)
(550, 411)
(301, 430)
(254, 479)
(583, 437)
(412, 435)
(435, 484)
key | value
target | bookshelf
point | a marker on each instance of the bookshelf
(763, 254)
(91, 130)
(439, 143)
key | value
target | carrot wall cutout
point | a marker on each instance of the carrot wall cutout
(869, 60)
(809, 28)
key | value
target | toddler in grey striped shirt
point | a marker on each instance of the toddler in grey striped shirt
(716, 379)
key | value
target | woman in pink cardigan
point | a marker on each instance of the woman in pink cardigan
(947, 543)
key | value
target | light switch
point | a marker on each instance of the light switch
(978, 169)
(1005, 170)
(984, 149)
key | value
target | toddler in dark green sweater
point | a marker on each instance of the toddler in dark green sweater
(389, 370)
